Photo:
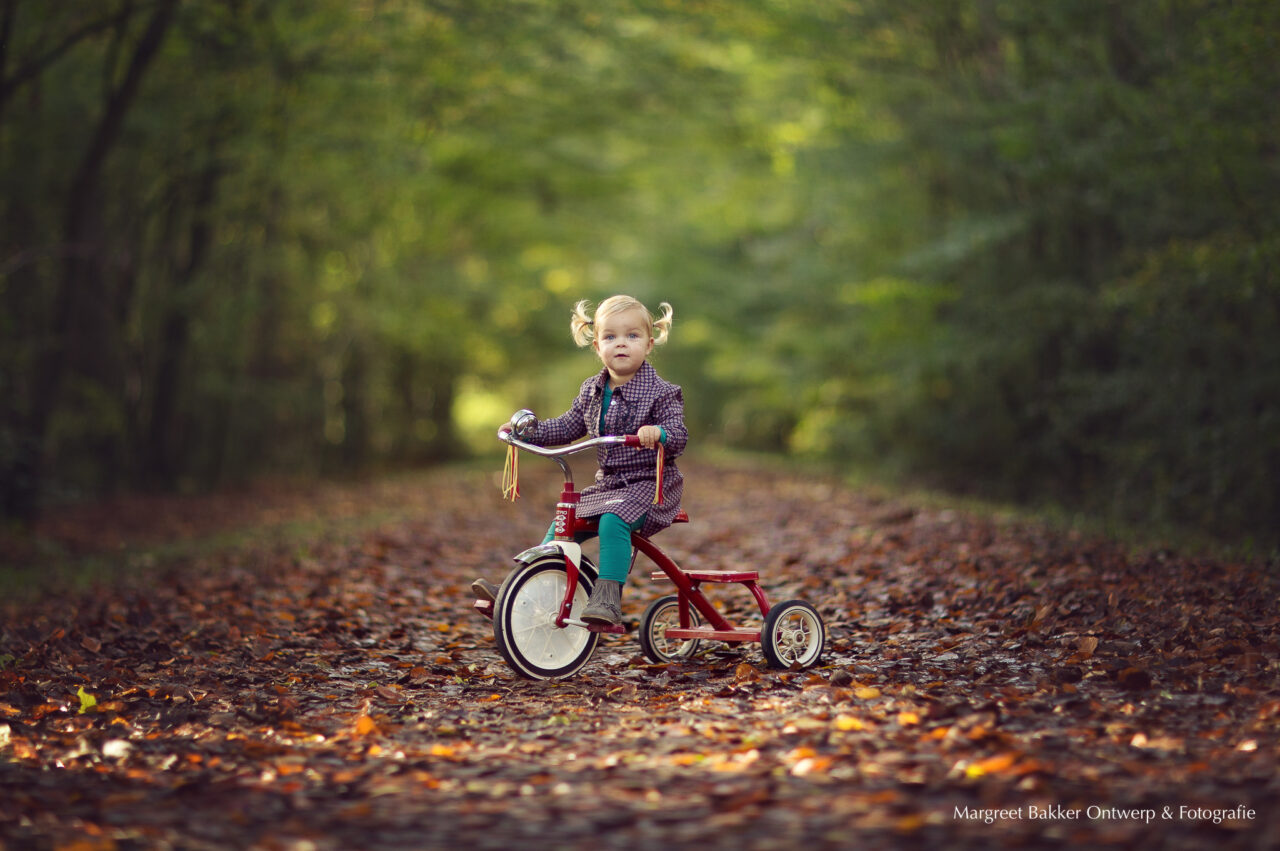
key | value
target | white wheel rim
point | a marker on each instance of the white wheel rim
(797, 636)
(533, 631)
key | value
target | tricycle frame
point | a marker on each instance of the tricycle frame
(691, 602)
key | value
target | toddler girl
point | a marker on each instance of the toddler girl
(625, 397)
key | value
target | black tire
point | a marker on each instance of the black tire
(662, 613)
(793, 634)
(524, 620)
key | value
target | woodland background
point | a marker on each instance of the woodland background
(1022, 250)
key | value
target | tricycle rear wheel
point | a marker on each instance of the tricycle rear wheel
(662, 614)
(793, 634)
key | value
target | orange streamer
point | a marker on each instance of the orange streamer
(657, 490)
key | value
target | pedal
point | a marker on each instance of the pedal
(607, 629)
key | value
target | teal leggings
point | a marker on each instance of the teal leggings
(615, 545)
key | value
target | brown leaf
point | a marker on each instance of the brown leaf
(1134, 679)
(841, 678)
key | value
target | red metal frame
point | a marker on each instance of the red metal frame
(688, 591)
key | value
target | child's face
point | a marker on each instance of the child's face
(623, 342)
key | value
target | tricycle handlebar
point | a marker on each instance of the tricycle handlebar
(559, 453)
(571, 449)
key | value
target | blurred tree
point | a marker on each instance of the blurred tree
(1021, 249)
(1062, 165)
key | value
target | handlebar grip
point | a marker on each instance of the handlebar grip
(633, 440)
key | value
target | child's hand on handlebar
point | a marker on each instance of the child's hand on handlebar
(649, 436)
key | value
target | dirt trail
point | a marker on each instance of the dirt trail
(985, 684)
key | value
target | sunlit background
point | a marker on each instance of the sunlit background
(1021, 250)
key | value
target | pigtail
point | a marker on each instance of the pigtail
(582, 324)
(662, 325)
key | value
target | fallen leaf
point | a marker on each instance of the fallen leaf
(848, 722)
(991, 765)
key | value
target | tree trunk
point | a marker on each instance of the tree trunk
(83, 243)
(160, 453)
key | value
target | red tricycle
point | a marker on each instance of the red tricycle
(535, 612)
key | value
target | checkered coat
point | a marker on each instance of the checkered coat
(625, 481)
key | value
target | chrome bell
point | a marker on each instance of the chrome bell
(523, 422)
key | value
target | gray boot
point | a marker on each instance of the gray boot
(605, 604)
(485, 590)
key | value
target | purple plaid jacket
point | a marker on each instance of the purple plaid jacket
(627, 476)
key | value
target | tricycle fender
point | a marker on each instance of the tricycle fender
(569, 549)
(561, 549)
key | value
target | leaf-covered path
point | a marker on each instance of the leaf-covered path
(985, 684)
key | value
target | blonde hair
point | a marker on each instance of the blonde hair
(583, 322)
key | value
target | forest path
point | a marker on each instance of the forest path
(985, 683)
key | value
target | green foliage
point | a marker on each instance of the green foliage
(1020, 249)
(1098, 178)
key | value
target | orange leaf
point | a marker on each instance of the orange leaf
(810, 765)
(910, 823)
(991, 765)
(848, 722)
(365, 726)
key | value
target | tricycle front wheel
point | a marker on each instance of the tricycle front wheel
(793, 634)
(524, 620)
